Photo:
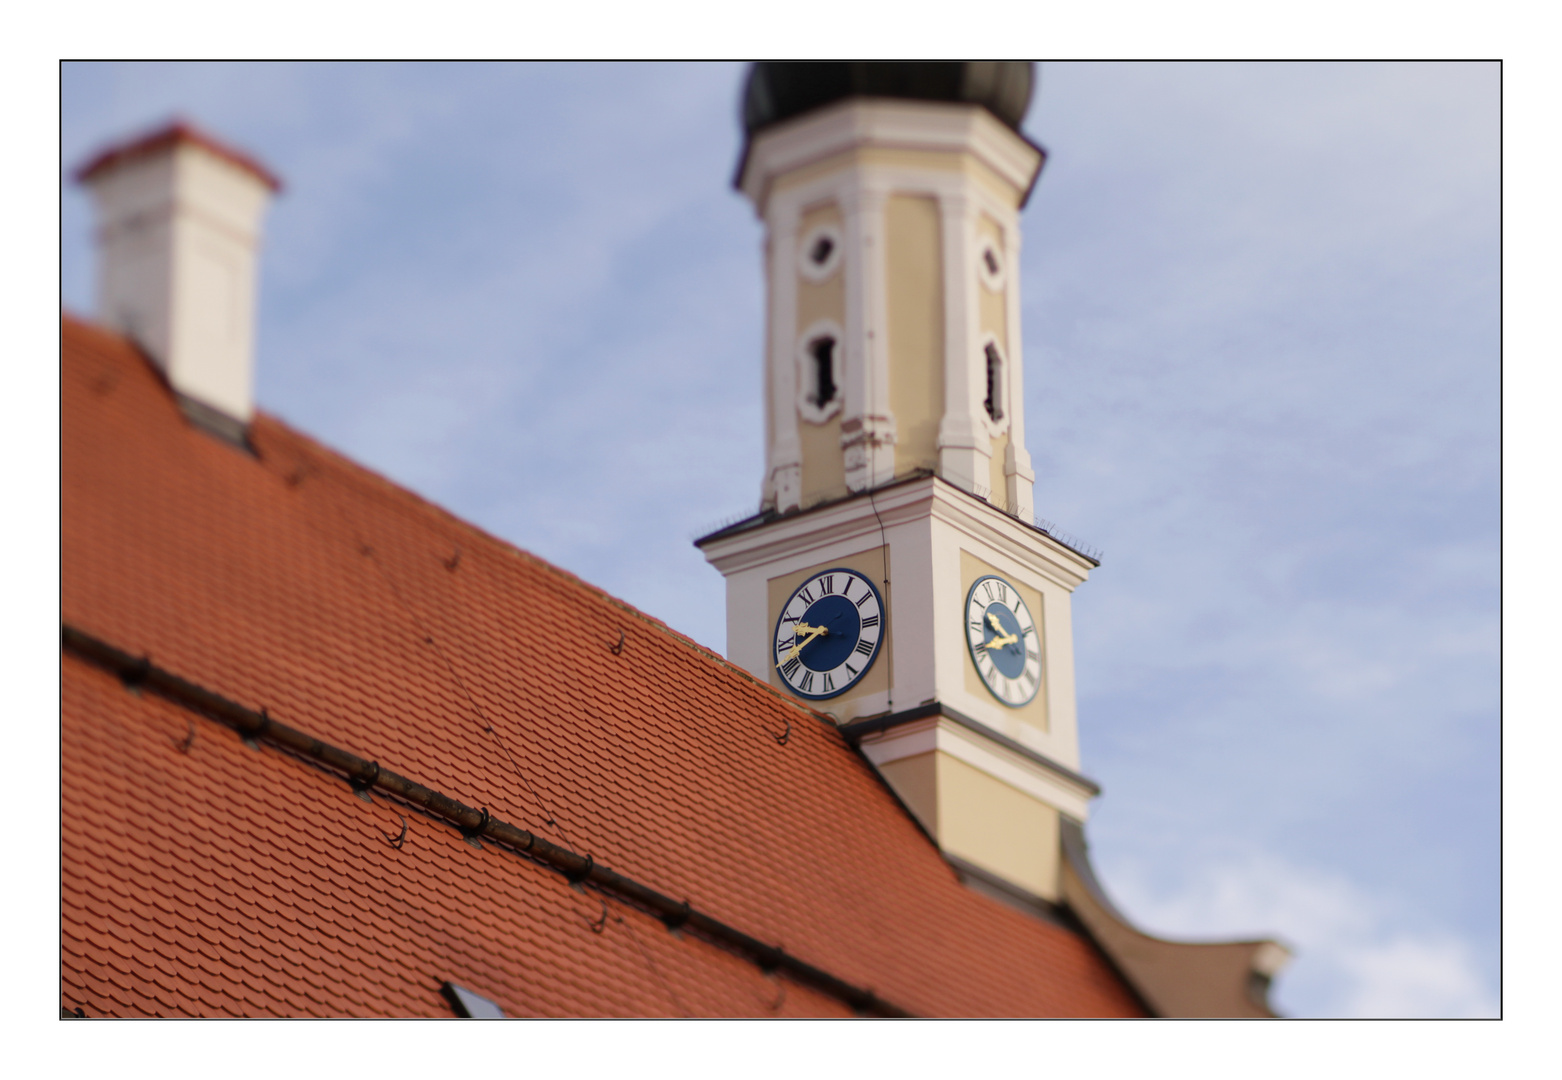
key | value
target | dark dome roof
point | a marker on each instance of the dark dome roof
(778, 91)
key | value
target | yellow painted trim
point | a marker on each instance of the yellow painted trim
(824, 463)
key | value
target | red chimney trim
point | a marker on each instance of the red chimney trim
(179, 131)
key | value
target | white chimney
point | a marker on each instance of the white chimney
(178, 230)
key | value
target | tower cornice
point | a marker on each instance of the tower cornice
(761, 542)
(858, 123)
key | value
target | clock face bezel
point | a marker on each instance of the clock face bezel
(815, 677)
(1018, 616)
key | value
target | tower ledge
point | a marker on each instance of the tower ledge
(886, 123)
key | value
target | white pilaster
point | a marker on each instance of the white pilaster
(1019, 477)
(868, 425)
(964, 448)
(784, 469)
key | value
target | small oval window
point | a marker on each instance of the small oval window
(989, 266)
(820, 252)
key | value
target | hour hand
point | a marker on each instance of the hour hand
(1002, 639)
(802, 636)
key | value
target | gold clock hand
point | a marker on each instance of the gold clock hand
(1002, 639)
(804, 629)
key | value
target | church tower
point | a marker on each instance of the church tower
(895, 578)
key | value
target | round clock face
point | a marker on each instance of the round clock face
(1003, 640)
(828, 634)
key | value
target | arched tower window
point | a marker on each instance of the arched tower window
(822, 352)
(820, 386)
(994, 402)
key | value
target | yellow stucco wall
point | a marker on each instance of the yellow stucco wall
(979, 818)
(914, 270)
(824, 464)
(998, 485)
(992, 320)
(821, 299)
(1034, 712)
(999, 828)
(872, 564)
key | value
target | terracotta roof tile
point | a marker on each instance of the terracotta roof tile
(251, 883)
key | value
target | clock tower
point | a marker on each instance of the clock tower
(895, 578)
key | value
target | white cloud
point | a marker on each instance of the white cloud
(1416, 976)
(1356, 954)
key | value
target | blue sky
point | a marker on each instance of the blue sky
(1262, 328)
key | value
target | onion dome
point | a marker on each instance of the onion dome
(778, 91)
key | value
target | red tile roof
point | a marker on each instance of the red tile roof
(221, 878)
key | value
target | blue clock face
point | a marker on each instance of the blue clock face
(1004, 640)
(828, 634)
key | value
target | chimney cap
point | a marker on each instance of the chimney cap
(174, 133)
